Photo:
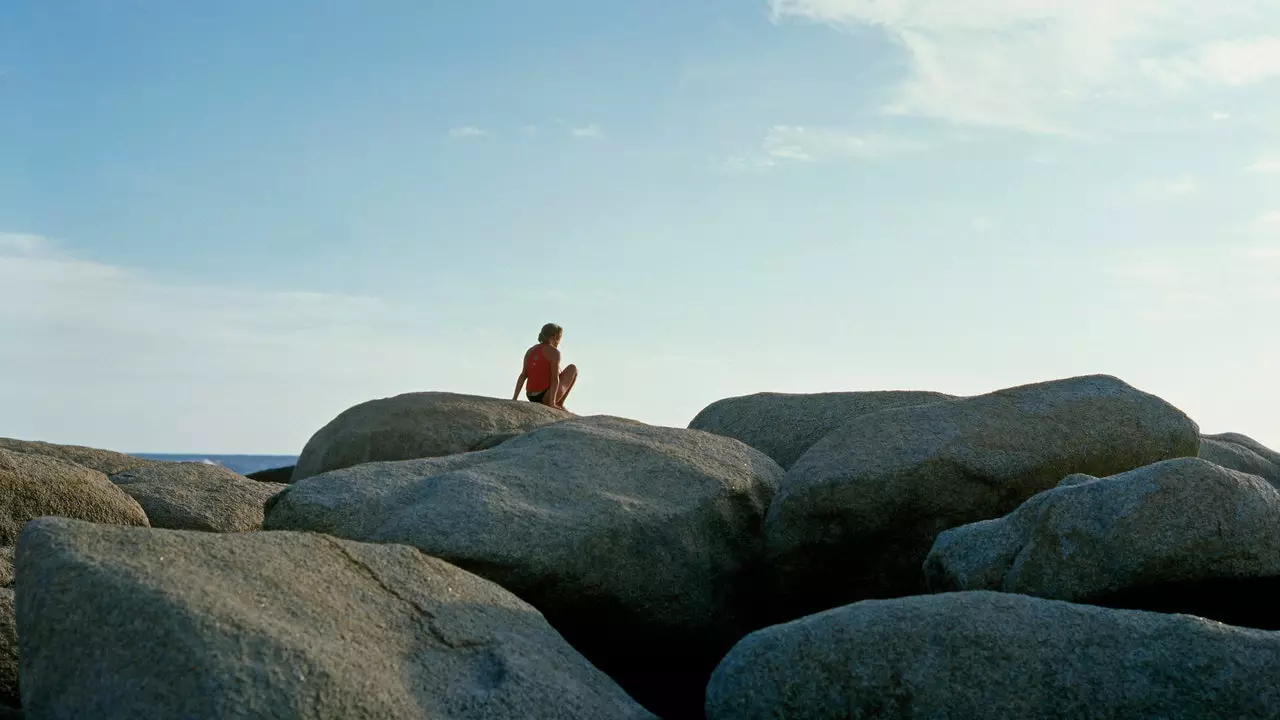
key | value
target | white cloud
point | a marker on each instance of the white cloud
(1167, 188)
(1266, 165)
(801, 144)
(1220, 116)
(104, 355)
(467, 131)
(588, 131)
(1044, 66)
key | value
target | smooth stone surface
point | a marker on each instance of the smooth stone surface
(32, 486)
(417, 425)
(198, 496)
(106, 462)
(1243, 453)
(992, 656)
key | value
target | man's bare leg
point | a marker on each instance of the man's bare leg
(567, 378)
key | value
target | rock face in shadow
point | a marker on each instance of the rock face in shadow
(32, 486)
(640, 544)
(197, 496)
(992, 656)
(856, 516)
(281, 475)
(9, 695)
(417, 425)
(1243, 453)
(143, 623)
(785, 425)
(104, 461)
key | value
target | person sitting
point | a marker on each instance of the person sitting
(548, 384)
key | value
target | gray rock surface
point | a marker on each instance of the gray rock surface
(143, 623)
(1175, 521)
(32, 486)
(9, 695)
(416, 425)
(1243, 453)
(639, 543)
(857, 515)
(198, 496)
(106, 462)
(6, 566)
(785, 425)
(992, 656)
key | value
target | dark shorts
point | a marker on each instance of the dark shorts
(536, 397)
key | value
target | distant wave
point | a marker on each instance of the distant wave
(243, 464)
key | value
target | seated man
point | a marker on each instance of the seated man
(548, 384)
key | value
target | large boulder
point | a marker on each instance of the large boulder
(1243, 453)
(856, 516)
(6, 566)
(106, 462)
(143, 623)
(9, 694)
(32, 486)
(785, 425)
(417, 425)
(640, 544)
(198, 496)
(990, 656)
(1176, 530)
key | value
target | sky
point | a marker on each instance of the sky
(221, 224)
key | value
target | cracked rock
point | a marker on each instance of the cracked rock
(118, 622)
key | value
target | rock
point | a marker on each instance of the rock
(1178, 524)
(32, 486)
(856, 516)
(784, 426)
(282, 475)
(417, 425)
(9, 695)
(198, 496)
(143, 623)
(640, 544)
(104, 461)
(990, 656)
(1243, 453)
(6, 566)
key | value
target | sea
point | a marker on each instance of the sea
(243, 464)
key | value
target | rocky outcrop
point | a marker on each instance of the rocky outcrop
(640, 544)
(785, 425)
(198, 496)
(34, 485)
(417, 425)
(104, 461)
(856, 516)
(991, 656)
(1174, 528)
(1243, 453)
(281, 625)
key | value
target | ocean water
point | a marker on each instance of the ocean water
(243, 464)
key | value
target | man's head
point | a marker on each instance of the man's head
(551, 333)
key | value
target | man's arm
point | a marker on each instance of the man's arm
(553, 359)
(524, 375)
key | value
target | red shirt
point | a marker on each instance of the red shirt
(537, 369)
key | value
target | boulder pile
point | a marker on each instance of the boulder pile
(1072, 548)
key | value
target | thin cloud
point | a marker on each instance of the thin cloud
(1167, 188)
(105, 340)
(467, 131)
(588, 131)
(1266, 166)
(791, 144)
(1052, 67)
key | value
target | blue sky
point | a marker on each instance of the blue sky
(223, 223)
